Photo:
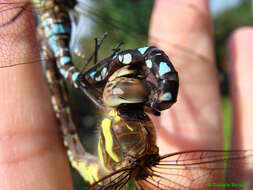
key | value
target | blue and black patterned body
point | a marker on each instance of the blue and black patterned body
(54, 32)
(167, 82)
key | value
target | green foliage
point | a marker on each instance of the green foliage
(125, 20)
(227, 121)
(228, 21)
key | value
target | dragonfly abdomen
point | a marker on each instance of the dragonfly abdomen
(54, 29)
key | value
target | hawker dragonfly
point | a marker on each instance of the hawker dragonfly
(194, 169)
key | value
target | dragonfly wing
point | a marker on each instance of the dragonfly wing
(198, 170)
(80, 18)
(117, 180)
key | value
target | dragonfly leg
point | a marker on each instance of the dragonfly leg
(87, 81)
(137, 185)
(95, 53)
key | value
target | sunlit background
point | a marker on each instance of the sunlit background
(125, 22)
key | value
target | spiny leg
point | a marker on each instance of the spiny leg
(97, 100)
(85, 81)
(103, 62)
(95, 53)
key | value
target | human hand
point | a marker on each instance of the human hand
(32, 155)
(183, 29)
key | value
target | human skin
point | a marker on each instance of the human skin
(32, 155)
(195, 121)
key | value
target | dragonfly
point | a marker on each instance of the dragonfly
(182, 170)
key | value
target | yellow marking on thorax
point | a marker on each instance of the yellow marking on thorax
(130, 128)
(142, 150)
(141, 76)
(101, 157)
(106, 129)
(117, 118)
(112, 113)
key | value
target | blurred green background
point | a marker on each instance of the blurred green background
(124, 22)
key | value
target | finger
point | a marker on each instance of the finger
(240, 65)
(184, 30)
(31, 152)
(240, 51)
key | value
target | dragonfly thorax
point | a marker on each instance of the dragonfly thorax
(125, 137)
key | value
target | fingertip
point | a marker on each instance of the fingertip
(240, 43)
(240, 47)
(171, 20)
(183, 30)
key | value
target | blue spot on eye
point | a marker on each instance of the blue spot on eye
(127, 58)
(166, 97)
(164, 68)
(149, 63)
(92, 74)
(143, 49)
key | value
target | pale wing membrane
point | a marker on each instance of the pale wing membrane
(83, 8)
(116, 180)
(10, 13)
(198, 170)
(87, 10)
